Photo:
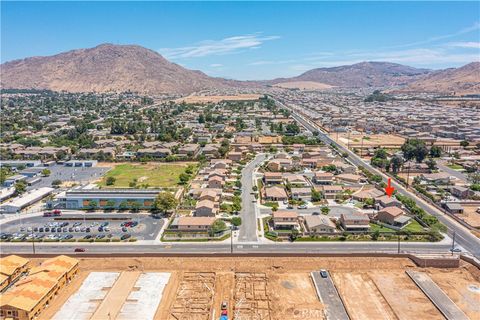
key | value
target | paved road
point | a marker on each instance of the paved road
(463, 236)
(224, 248)
(326, 291)
(457, 174)
(446, 306)
(248, 229)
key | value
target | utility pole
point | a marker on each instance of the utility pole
(361, 148)
(408, 175)
(33, 242)
(398, 248)
(231, 239)
(453, 242)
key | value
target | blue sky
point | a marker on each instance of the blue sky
(252, 40)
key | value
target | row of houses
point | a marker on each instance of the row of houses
(29, 295)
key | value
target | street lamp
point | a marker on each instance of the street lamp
(231, 239)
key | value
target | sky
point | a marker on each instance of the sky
(252, 40)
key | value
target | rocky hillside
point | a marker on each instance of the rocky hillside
(106, 68)
(361, 75)
(455, 81)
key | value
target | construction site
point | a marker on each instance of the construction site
(256, 288)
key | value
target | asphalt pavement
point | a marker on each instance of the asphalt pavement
(248, 228)
(225, 248)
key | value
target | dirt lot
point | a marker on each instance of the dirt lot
(462, 287)
(215, 99)
(412, 303)
(470, 215)
(281, 288)
(374, 140)
(303, 85)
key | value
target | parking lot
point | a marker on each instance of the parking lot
(71, 227)
(79, 175)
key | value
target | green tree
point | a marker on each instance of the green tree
(46, 172)
(325, 210)
(236, 221)
(92, 205)
(183, 177)
(110, 205)
(165, 201)
(414, 149)
(110, 181)
(432, 164)
(56, 183)
(218, 226)
(396, 163)
(435, 152)
(464, 143)
(316, 195)
(20, 187)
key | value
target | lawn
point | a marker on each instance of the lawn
(155, 175)
(374, 227)
(414, 226)
(455, 167)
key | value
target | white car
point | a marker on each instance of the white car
(303, 206)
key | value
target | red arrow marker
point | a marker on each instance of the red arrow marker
(389, 189)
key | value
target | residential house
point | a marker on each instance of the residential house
(460, 192)
(206, 208)
(330, 192)
(350, 178)
(454, 207)
(323, 178)
(283, 219)
(192, 223)
(356, 221)
(386, 201)
(319, 224)
(273, 178)
(275, 194)
(393, 216)
(304, 194)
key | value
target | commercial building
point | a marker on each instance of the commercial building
(11, 268)
(25, 200)
(29, 296)
(105, 198)
(20, 163)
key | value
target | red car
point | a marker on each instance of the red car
(79, 250)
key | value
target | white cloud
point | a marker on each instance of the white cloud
(216, 65)
(218, 47)
(474, 27)
(468, 44)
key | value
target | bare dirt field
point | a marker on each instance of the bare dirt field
(374, 140)
(372, 304)
(215, 99)
(462, 287)
(280, 288)
(470, 215)
(411, 303)
(303, 85)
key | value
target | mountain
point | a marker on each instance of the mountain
(457, 81)
(104, 68)
(361, 75)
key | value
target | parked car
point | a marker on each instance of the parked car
(87, 230)
(70, 229)
(124, 229)
(323, 273)
(40, 229)
(79, 250)
(125, 236)
(224, 305)
(88, 236)
(100, 236)
(302, 206)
